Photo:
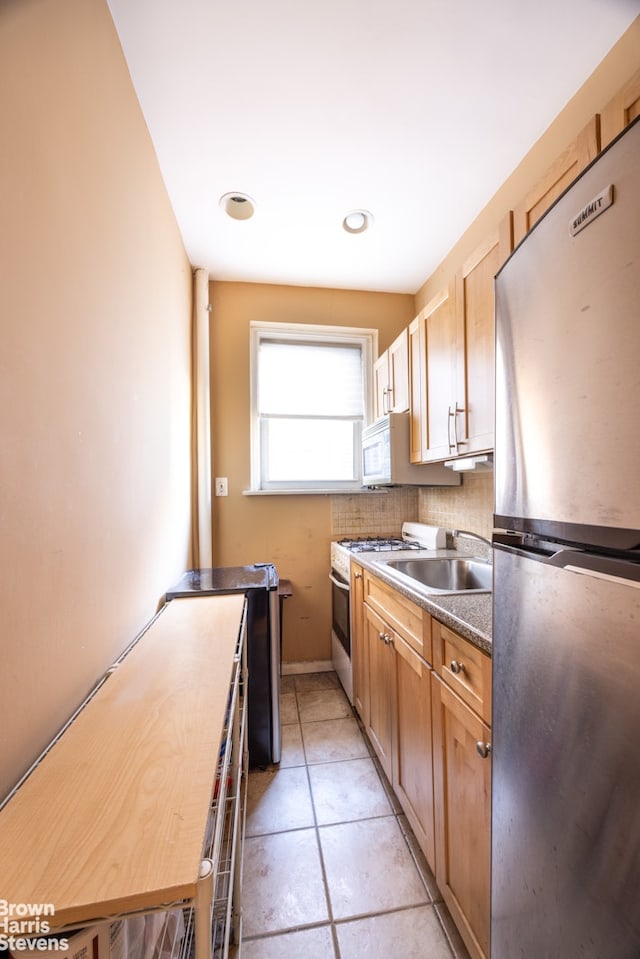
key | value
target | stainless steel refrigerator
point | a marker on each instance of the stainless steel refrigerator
(566, 651)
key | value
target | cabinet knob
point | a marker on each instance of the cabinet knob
(483, 750)
(357, 575)
(456, 666)
(381, 636)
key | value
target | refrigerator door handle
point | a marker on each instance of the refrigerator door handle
(599, 567)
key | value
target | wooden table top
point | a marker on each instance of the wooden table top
(113, 818)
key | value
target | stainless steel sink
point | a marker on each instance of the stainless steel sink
(445, 575)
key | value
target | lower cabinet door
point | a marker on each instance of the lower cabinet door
(462, 781)
(413, 761)
(380, 726)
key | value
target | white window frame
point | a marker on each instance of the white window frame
(366, 339)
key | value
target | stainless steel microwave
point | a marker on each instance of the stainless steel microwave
(385, 457)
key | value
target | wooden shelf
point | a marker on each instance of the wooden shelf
(113, 818)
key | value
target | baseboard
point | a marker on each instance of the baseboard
(307, 666)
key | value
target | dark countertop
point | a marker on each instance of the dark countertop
(469, 614)
(223, 579)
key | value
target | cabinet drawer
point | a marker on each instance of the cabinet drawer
(411, 622)
(464, 668)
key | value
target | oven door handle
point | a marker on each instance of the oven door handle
(339, 583)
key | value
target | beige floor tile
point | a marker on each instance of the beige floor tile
(346, 791)
(317, 704)
(308, 943)
(410, 934)
(369, 868)
(288, 708)
(332, 740)
(306, 681)
(277, 800)
(287, 684)
(282, 883)
(382, 907)
(292, 748)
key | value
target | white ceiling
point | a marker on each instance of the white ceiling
(416, 110)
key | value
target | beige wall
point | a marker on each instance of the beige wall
(609, 77)
(471, 505)
(94, 375)
(94, 369)
(292, 531)
(295, 531)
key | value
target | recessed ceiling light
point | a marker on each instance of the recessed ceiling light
(357, 221)
(238, 206)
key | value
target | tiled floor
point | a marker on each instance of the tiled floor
(331, 869)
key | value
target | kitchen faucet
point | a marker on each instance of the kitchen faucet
(466, 532)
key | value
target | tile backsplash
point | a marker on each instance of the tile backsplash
(469, 506)
(379, 513)
(382, 513)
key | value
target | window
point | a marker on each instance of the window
(310, 397)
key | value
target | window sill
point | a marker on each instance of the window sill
(310, 492)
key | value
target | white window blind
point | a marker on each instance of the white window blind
(310, 404)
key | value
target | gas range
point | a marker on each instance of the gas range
(342, 550)
(413, 536)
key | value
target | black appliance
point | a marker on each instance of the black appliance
(260, 585)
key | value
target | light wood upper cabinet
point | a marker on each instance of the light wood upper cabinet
(452, 358)
(620, 111)
(391, 378)
(417, 391)
(473, 423)
(451, 341)
(434, 367)
(560, 174)
(380, 385)
(441, 345)
(399, 373)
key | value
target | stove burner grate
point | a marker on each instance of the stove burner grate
(374, 544)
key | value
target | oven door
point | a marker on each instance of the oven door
(341, 632)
